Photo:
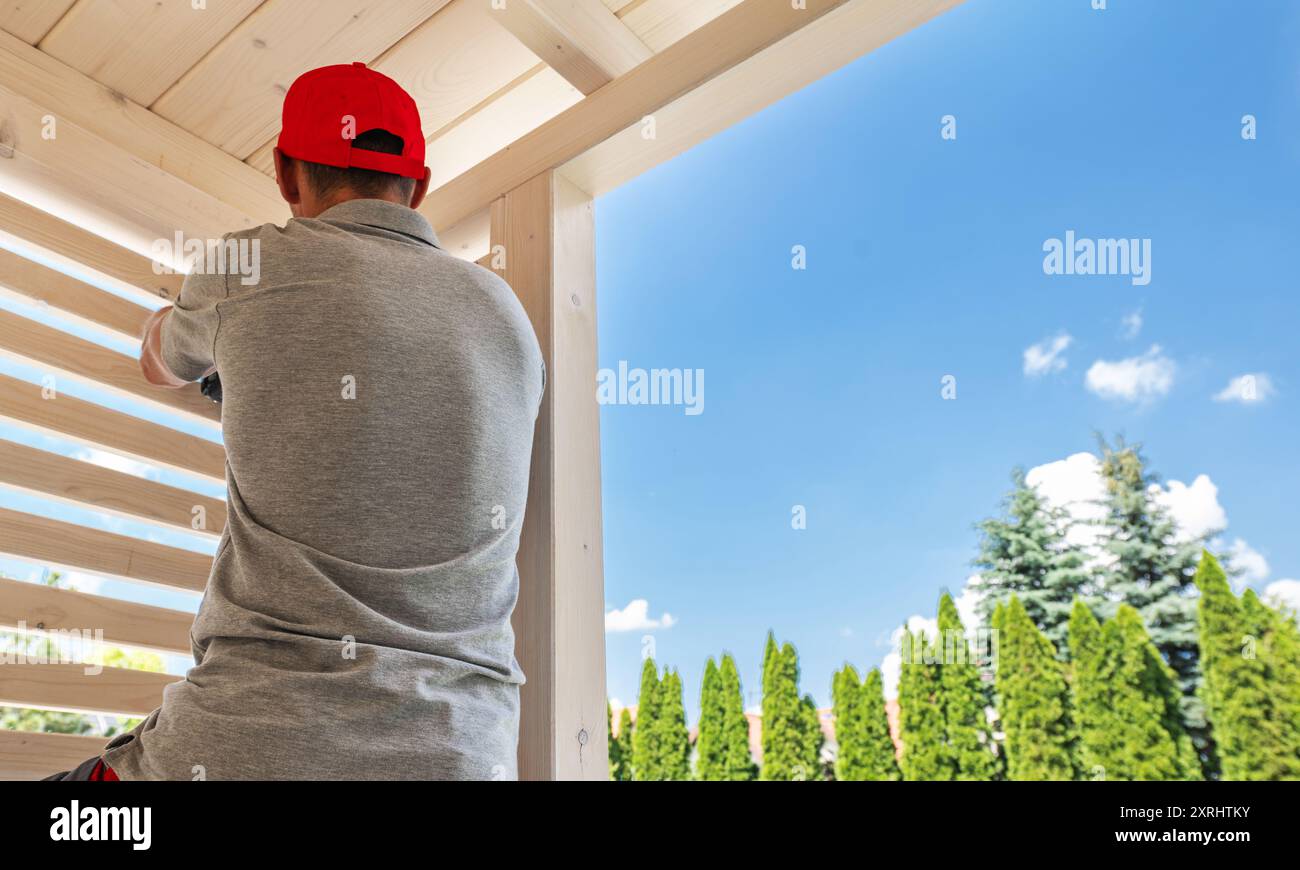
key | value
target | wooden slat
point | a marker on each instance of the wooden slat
(86, 423)
(29, 20)
(708, 52)
(547, 229)
(74, 97)
(580, 39)
(79, 247)
(79, 548)
(141, 47)
(26, 340)
(837, 39)
(233, 96)
(116, 691)
(83, 483)
(89, 306)
(31, 755)
(39, 608)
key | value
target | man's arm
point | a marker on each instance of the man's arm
(152, 365)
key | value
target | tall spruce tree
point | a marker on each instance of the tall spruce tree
(813, 741)
(710, 745)
(675, 737)
(1027, 553)
(1126, 703)
(647, 754)
(738, 762)
(880, 757)
(1033, 698)
(968, 737)
(922, 725)
(1152, 569)
(1249, 655)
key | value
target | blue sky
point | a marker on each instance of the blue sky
(925, 259)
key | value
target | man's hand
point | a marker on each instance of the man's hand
(151, 361)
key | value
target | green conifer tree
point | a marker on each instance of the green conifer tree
(1027, 553)
(675, 737)
(1152, 569)
(786, 736)
(738, 764)
(922, 726)
(621, 748)
(1248, 654)
(1126, 703)
(1033, 699)
(968, 738)
(880, 758)
(647, 754)
(848, 704)
(710, 740)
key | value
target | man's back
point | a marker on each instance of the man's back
(379, 401)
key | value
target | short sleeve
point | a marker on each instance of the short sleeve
(189, 333)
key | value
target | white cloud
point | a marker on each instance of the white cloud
(636, 617)
(1195, 509)
(1248, 389)
(1254, 567)
(1131, 324)
(1136, 379)
(1283, 593)
(1075, 485)
(1045, 357)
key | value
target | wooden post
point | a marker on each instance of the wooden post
(543, 244)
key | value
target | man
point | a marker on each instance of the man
(379, 397)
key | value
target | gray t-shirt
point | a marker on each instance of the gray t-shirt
(379, 402)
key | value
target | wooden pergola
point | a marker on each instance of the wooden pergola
(123, 122)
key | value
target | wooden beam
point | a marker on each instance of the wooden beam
(580, 39)
(89, 306)
(832, 41)
(36, 607)
(64, 416)
(58, 686)
(690, 62)
(80, 548)
(121, 123)
(81, 249)
(546, 229)
(115, 492)
(28, 341)
(32, 755)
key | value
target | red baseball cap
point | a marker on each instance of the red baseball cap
(326, 108)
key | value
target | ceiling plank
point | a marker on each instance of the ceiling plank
(580, 39)
(58, 686)
(106, 313)
(26, 756)
(30, 20)
(660, 23)
(232, 97)
(141, 47)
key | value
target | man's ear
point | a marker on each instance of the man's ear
(287, 177)
(421, 188)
